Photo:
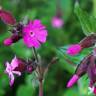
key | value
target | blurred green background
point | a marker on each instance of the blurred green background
(59, 73)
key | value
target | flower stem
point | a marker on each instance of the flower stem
(40, 88)
(35, 54)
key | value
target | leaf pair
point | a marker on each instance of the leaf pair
(87, 22)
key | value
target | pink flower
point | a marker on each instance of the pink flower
(57, 22)
(34, 33)
(74, 49)
(10, 70)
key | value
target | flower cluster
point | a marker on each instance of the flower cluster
(33, 34)
(87, 65)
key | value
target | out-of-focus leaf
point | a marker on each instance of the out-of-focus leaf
(87, 22)
(25, 90)
(31, 14)
(83, 85)
(72, 92)
(21, 50)
(32, 80)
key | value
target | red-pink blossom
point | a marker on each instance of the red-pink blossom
(34, 33)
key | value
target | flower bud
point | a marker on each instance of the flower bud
(13, 39)
(88, 41)
(57, 22)
(73, 80)
(8, 42)
(7, 17)
(74, 49)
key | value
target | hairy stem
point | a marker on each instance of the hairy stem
(40, 88)
(35, 54)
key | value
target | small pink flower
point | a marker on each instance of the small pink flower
(57, 22)
(34, 33)
(10, 70)
(74, 49)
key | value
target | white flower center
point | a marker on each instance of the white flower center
(32, 34)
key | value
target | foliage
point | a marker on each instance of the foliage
(59, 73)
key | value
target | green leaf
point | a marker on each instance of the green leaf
(21, 50)
(83, 85)
(68, 61)
(32, 80)
(25, 90)
(72, 92)
(87, 22)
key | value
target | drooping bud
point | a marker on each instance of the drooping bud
(7, 17)
(80, 71)
(88, 41)
(82, 67)
(72, 81)
(13, 39)
(74, 49)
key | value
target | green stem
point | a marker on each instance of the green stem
(41, 88)
(35, 54)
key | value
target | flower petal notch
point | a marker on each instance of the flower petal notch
(10, 70)
(74, 49)
(34, 33)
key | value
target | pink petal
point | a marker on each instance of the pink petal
(11, 76)
(41, 36)
(73, 80)
(26, 29)
(31, 42)
(36, 22)
(8, 67)
(17, 73)
(14, 63)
